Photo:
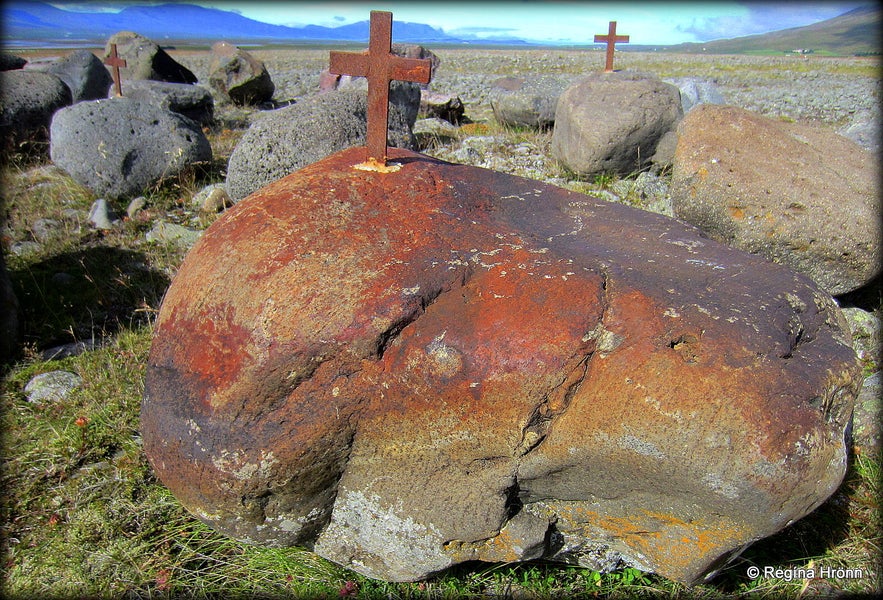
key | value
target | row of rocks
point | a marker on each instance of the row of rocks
(807, 197)
(800, 195)
(31, 98)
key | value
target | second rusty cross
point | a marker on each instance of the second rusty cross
(380, 66)
(610, 39)
(115, 62)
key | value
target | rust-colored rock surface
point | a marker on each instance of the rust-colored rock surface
(408, 370)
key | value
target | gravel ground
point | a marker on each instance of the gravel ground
(829, 90)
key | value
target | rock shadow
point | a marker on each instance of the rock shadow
(809, 538)
(86, 295)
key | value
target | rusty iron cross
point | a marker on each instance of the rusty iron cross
(610, 39)
(116, 62)
(380, 66)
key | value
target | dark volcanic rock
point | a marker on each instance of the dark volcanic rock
(28, 99)
(528, 101)
(282, 141)
(238, 76)
(415, 369)
(118, 147)
(146, 60)
(11, 62)
(85, 75)
(193, 101)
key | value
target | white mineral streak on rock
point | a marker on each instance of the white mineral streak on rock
(234, 464)
(606, 340)
(715, 482)
(382, 535)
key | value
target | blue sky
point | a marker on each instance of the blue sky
(551, 21)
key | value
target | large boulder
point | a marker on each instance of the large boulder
(236, 75)
(146, 60)
(84, 74)
(11, 62)
(612, 122)
(527, 101)
(800, 195)
(409, 370)
(28, 99)
(118, 147)
(193, 101)
(282, 141)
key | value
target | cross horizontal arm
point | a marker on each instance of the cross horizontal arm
(600, 39)
(411, 69)
(349, 63)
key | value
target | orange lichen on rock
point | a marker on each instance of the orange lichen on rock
(408, 370)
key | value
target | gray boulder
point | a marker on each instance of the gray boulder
(117, 147)
(146, 60)
(612, 122)
(695, 91)
(864, 130)
(85, 75)
(800, 195)
(28, 99)
(285, 140)
(403, 95)
(53, 386)
(10, 62)
(238, 76)
(527, 101)
(193, 101)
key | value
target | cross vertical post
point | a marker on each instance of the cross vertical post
(115, 62)
(380, 66)
(610, 39)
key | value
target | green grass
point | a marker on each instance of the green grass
(82, 514)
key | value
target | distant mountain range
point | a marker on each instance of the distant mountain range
(855, 32)
(39, 23)
(167, 23)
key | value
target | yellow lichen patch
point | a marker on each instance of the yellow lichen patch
(668, 542)
(736, 212)
(474, 129)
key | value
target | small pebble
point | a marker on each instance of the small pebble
(53, 386)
